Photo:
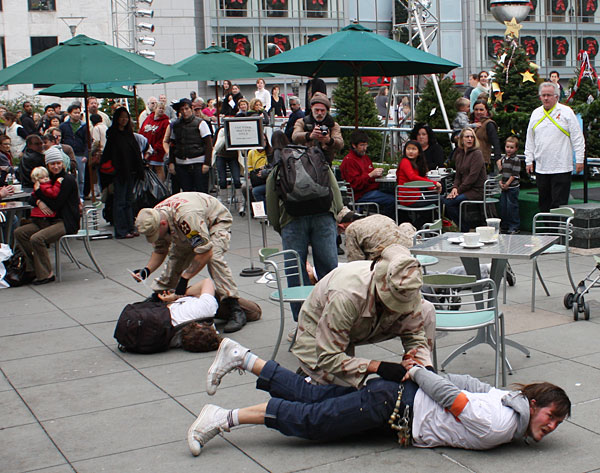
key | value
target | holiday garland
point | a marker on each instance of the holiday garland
(586, 70)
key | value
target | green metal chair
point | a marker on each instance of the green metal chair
(279, 266)
(557, 222)
(475, 308)
(430, 230)
(417, 191)
(491, 195)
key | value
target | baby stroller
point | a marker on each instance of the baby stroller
(576, 301)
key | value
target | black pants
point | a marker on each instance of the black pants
(553, 190)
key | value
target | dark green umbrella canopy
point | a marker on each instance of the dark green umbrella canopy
(352, 51)
(76, 90)
(84, 60)
(217, 63)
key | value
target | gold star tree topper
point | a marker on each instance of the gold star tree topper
(512, 28)
(527, 76)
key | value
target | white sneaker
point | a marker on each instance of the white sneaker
(211, 421)
(230, 356)
(292, 333)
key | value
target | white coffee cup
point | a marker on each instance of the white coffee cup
(486, 233)
(471, 239)
(18, 188)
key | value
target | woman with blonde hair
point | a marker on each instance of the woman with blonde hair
(469, 179)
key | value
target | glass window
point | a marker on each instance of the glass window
(42, 5)
(39, 44)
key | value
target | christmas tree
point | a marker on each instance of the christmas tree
(428, 109)
(514, 92)
(343, 97)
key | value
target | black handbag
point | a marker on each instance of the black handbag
(16, 270)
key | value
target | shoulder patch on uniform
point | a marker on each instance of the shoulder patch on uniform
(185, 228)
(196, 239)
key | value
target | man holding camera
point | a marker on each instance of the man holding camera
(319, 128)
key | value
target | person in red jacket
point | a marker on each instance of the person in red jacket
(357, 169)
(154, 128)
(413, 167)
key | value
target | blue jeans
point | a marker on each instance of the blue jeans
(234, 168)
(191, 178)
(387, 202)
(122, 210)
(313, 412)
(80, 174)
(320, 232)
(452, 211)
(260, 193)
(509, 209)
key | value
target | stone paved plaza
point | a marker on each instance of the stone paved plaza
(70, 401)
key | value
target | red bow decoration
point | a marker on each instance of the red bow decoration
(274, 2)
(239, 45)
(591, 47)
(281, 42)
(560, 47)
(559, 6)
(530, 47)
(241, 2)
(320, 2)
(497, 45)
(591, 6)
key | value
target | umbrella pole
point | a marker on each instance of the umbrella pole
(252, 270)
(135, 120)
(355, 101)
(217, 104)
(88, 140)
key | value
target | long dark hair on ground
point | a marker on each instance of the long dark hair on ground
(545, 394)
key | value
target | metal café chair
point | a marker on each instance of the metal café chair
(430, 230)
(491, 195)
(411, 192)
(477, 307)
(557, 222)
(281, 266)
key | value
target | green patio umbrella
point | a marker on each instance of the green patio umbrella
(352, 52)
(76, 90)
(83, 60)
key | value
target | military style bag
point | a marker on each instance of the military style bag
(145, 327)
(302, 181)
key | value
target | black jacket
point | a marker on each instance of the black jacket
(31, 159)
(66, 204)
(28, 124)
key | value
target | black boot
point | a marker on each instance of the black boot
(237, 317)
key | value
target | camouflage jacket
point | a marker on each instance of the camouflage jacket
(342, 312)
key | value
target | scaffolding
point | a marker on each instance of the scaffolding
(123, 24)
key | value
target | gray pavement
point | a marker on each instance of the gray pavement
(70, 401)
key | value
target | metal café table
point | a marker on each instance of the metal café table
(524, 247)
(10, 209)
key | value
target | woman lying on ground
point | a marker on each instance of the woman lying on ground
(424, 408)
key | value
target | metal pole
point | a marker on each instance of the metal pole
(88, 139)
(251, 271)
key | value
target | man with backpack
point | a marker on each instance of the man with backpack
(303, 199)
(194, 230)
(319, 128)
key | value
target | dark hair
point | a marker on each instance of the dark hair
(55, 105)
(475, 76)
(275, 87)
(115, 126)
(47, 107)
(358, 136)
(227, 89)
(199, 337)
(419, 164)
(72, 107)
(95, 118)
(48, 137)
(10, 116)
(482, 72)
(545, 394)
(4, 137)
(430, 134)
(31, 138)
(279, 140)
(554, 72)
(479, 102)
(26, 102)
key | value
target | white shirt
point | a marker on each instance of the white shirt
(484, 422)
(548, 146)
(265, 97)
(191, 308)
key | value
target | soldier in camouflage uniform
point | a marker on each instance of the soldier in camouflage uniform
(368, 237)
(364, 302)
(194, 230)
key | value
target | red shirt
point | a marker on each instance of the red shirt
(49, 190)
(154, 130)
(355, 169)
(406, 173)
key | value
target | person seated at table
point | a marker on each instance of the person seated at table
(242, 108)
(33, 156)
(6, 161)
(357, 169)
(412, 167)
(260, 164)
(41, 180)
(423, 408)
(469, 179)
(35, 237)
(433, 152)
(256, 108)
(5, 191)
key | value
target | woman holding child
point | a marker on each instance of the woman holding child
(56, 213)
(469, 179)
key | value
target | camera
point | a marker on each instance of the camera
(324, 130)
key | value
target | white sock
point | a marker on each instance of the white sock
(233, 418)
(249, 360)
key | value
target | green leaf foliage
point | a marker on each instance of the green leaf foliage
(343, 97)
(590, 112)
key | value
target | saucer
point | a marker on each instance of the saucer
(478, 245)
(456, 240)
(493, 240)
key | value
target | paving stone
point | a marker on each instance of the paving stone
(13, 410)
(40, 451)
(38, 322)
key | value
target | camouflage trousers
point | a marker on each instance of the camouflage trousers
(180, 257)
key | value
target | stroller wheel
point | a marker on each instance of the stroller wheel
(568, 300)
(575, 312)
(586, 310)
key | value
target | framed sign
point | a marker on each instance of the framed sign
(244, 133)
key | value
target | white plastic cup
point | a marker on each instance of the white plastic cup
(471, 239)
(494, 222)
(486, 233)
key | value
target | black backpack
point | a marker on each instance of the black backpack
(145, 327)
(302, 181)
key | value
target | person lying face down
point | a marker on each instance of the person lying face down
(456, 411)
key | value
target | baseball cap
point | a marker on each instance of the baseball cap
(148, 223)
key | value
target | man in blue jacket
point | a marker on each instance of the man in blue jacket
(74, 135)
